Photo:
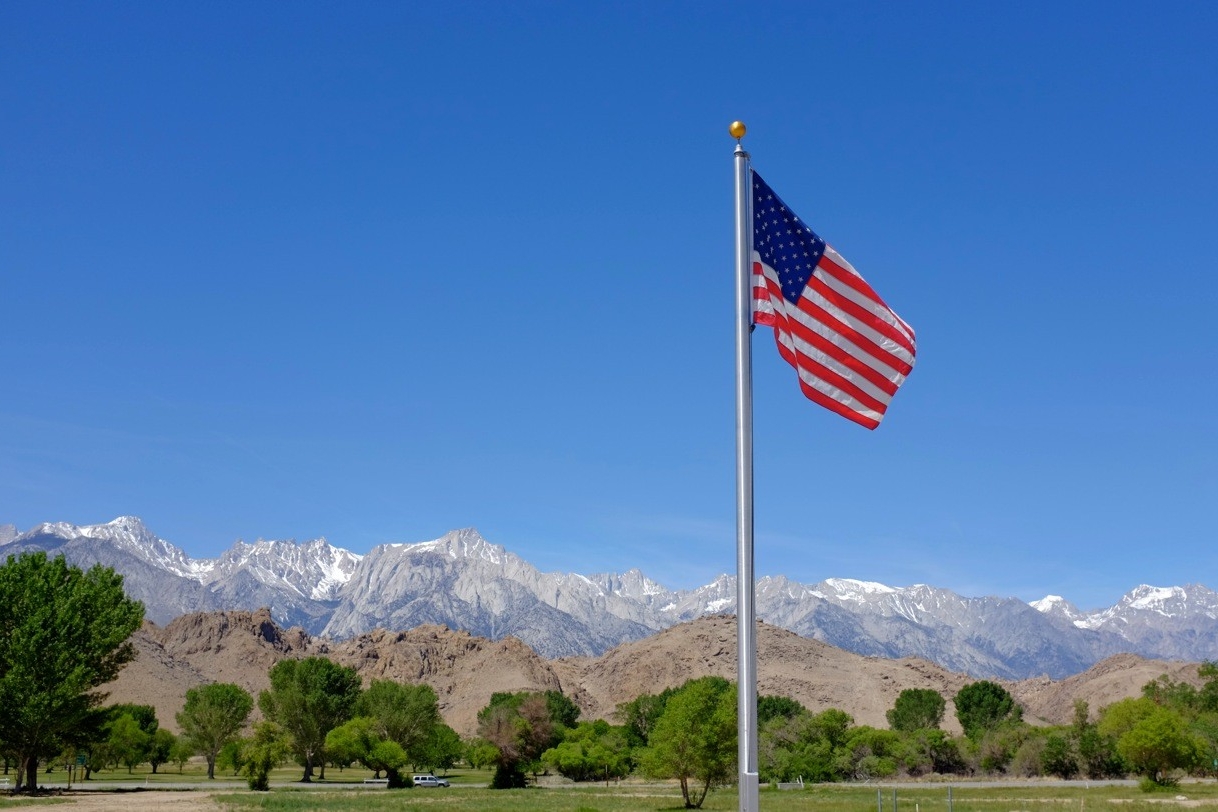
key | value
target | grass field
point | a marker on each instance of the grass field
(345, 792)
(627, 797)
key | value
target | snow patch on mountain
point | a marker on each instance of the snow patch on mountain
(464, 581)
(849, 589)
(457, 544)
(314, 570)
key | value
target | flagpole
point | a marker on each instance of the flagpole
(746, 626)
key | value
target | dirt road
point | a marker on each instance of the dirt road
(152, 801)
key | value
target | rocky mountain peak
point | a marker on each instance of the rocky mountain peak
(465, 582)
(1057, 606)
(850, 589)
(219, 631)
(465, 543)
(630, 584)
(1168, 601)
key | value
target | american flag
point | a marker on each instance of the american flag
(850, 350)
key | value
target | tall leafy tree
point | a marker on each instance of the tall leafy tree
(129, 732)
(1208, 695)
(160, 751)
(1172, 693)
(931, 749)
(212, 717)
(144, 715)
(1159, 743)
(774, 707)
(695, 740)
(917, 709)
(519, 725)
(360, 740)
(814, 746)
(265, 751)
(442, 749)
(63, 632)
(591, 751)
(1058, 757)
(309, 698)
(1097, 753)
(983, 705)
(405, 714)
(128, 742)
(639, 715)
(562, 710)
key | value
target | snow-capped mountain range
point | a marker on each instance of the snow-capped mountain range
(465, 582)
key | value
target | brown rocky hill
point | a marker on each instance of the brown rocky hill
(464, 670)
(816, 675)
(240, 647)
(1118, 677)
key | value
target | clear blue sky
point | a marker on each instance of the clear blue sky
(375, 271)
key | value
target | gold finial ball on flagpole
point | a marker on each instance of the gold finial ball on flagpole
(737, 129)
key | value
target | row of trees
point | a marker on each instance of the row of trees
(689, 733)
(65, 632)
(317, 713)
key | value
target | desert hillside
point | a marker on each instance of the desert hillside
(464, 670)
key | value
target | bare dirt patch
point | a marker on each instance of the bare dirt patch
(144, 801)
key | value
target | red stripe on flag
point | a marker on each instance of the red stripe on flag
(869, 317)
(848, 334)
(807, 363)
(832, 345)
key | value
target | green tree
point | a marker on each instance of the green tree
(212, 717)
(128, 743)
(997, 747)
(591, 751)
(160, 750)
(562, 710)
(347, 743)
(405, 714)
(442, 749)
(874, 753)
(1207, 697)
(63, 633)
(916, 709)
(309, 698)
(265, 750)
(810, 745)
(981, 706)
(144, 715)
(480, 754)
(182, 750)
(1058, 757)
(1171, 693)
(640, 715)
(695, 740)
(773, 707)
(1120, 717)
(1097, 753)
(360, 740)
(1027, 760)
(232, 756)
(932, 750)
(1159, 743)
(520, 728)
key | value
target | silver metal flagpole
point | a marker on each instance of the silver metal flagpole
(746, 625)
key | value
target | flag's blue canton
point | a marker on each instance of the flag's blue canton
(783, 241)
